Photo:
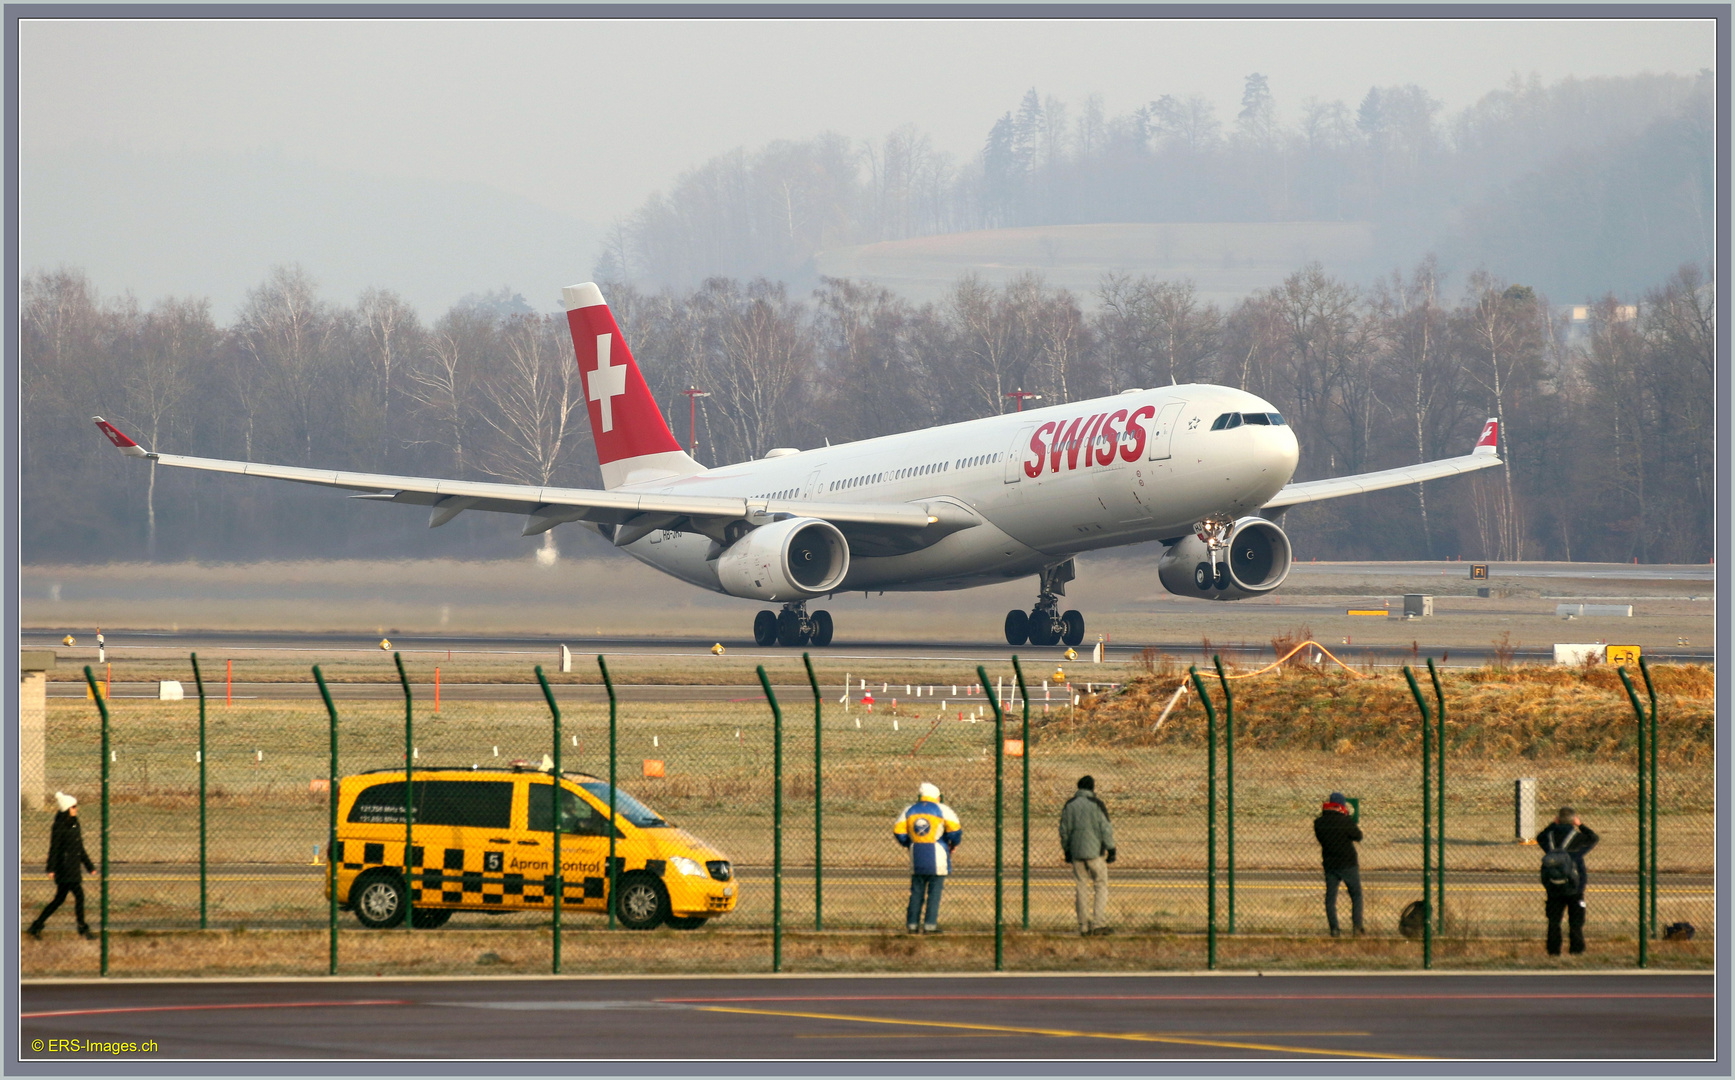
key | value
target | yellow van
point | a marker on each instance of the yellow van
(483, 840)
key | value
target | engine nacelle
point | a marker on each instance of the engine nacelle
(1256, 561)
(792, 559)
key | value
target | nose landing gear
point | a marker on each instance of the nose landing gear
(1214, 531)
(1046, 624)
(794, 625)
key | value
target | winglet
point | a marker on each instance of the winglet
(119, 438)
(1489, 444)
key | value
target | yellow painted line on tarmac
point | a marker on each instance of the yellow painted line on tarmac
(1062, 1033)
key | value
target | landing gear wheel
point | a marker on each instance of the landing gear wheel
(765, 628)
(1074, 633)
(643, 903)
(788, 629)
(379, 900)
(820, 621)
(1202, 577)
(430, 918)
(685, 922)
(1222, 581)
(1017, 628)
(1042, 629)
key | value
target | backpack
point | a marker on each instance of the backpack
(1410, 922)
(1681, 931)
(1560, 870)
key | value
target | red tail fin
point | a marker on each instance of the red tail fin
(633, 443)
(1489, 443)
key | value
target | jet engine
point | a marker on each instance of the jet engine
(1256, 561)
(792, 559)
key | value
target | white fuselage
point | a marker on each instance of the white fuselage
(1139, 466)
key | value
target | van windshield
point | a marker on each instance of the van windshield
(627, 806)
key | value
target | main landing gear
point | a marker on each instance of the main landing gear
(1046, 624)
(794, 625)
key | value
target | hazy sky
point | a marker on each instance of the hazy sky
(588, 118)
(438, 158)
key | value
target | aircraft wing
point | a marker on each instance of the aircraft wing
(1484, 456)
(902, 526)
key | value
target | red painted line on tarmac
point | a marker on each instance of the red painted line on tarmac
(203, 1008)
(1191, 997)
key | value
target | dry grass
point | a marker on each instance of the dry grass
(524, 952)
(1527, 713)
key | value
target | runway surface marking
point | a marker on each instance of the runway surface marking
(208, 1008)
(1192, 997)
(1188, 1034)
(1061, 1033)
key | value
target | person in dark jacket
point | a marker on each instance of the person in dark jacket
(1574, 837)
(67, 860)
(1337, 834)
(1087, 844)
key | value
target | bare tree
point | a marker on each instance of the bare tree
(1500, 326)
(176, 342)
(392, 331)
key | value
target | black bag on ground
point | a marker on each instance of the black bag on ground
(1681, 931)
(1411, 920)
(1560, 870)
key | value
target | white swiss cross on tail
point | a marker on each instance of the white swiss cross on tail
(606, 383)
(633, 443)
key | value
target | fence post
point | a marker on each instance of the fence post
(1439, 800)
(1228, 781)
(1644, 852)
(331, 822)
(102, 707)
(818, 802)
(1427, 809)
(1210, 819)
(613, 866)
(999, 820)
(199, 682)
(554, 796)
(1024, 802)
(409, 799)
(776, 823)
(1651, 788)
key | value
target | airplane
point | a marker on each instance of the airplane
(1204, 469)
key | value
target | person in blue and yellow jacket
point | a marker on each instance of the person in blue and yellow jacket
(931, 831)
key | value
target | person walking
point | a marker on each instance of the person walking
(931, 832)
(1087, 843)
(1565, 879)
(1337, 834)
(67, 860)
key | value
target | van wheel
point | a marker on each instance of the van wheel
(686, 922)
(379, 900)
(643, 903)
(430, 918)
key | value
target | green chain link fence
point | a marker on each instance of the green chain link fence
(219, 815)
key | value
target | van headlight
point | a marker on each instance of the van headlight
(687, 866)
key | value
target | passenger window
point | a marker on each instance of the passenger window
(477, 804)
(577, 817)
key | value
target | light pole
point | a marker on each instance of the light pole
(693, 394)
(1021, 395)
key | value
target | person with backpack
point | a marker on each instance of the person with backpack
(67, 861)
(1087, 844)
(1337, 834)
(1564, 845)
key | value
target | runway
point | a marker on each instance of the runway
(545, 648)
(1223, 1017)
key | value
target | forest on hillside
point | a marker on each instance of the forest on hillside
(1608, 430)
(1578, 188)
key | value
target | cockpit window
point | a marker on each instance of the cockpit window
(1276, 419)
(1227, 420)
(1256, 418)
(1235, 420)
